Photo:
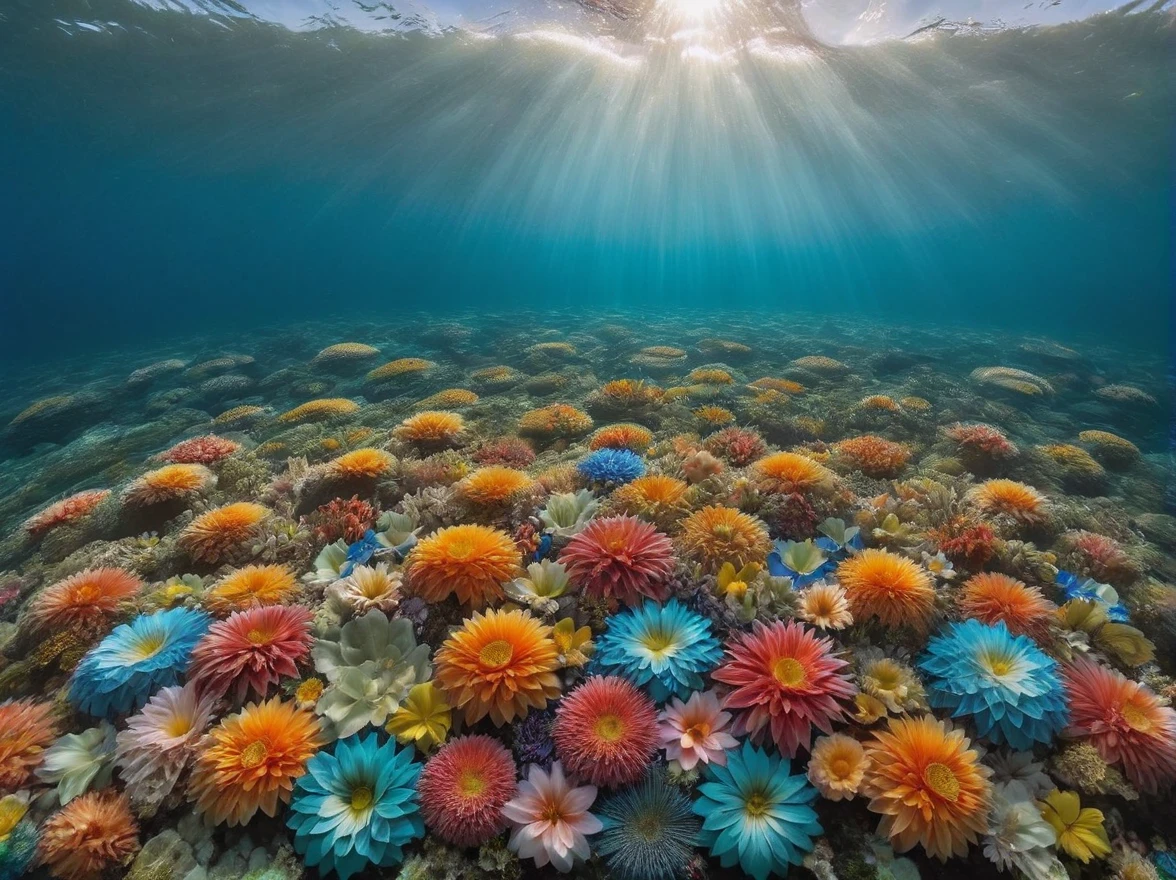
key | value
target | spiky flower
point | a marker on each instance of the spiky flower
(469, 561)
(1020, 502)
(200, 450)
(90, 837)
(825, 606)
(713, 536)
(890, 680)
(494, 486)
(169, 483)
(622, 558)
(464, 787)
(991, 597)
(888, 587)
(252, 587)
(67, 510)
(785, 473)
(431, 429)
(28, 729)
(614, 466)
(551, 819)
(656, 498)
(696, 731)
(649, 831)
(215, 534)
(361, 464)
(84, 603)
(606, 731)
(251, 650)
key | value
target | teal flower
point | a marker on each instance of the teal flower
(756, 814)
(648, 831)
(356, 806)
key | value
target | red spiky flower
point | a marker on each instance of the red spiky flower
(463, 788)
(606, 731)
(208, 449)
(621, 557)
(251, 650)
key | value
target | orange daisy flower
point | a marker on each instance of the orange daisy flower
(361, 464)
(715, 535)
(168, 483)
(85, 602)
(89, 837)
(432, 428)
(786, 473)
(252, 587)
(213, 535)
(889, 587)
(493, 486)
(469, 561)
(1021, 502)
(990, 597)
(27, 728)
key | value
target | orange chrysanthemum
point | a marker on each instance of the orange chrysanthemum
(837, 766)
(85, 602)
(469, 561)
(67, 510)
(361, 464)
(1021, 502)
(252, 587)
(89, 837)
(213, 535)
(655, 497)
(501, 664)
(715, 535)
(432, 428)
(990, 597)
(787, 473)
(168, 483)
(929, 787)
(250, 761)
(889, 587)
(26, 729)
(493, 486)
(825, 606)
(623, 436)
(874, 456)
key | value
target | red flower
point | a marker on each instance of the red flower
(606, 731)
(621, 557)
(463, 788)
(251, 650)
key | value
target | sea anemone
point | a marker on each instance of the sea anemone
(714, 535)
(1022, 503)
(448, 398)
(215, 534)
(512, 452)
(348, 519)
(550, 819)
(135, 660)
(320, 410)
(423, 718)
(160, 742)
(711, 417)
(200, 450)
(369, 587)
(431, 429)
(464, 787)
(787, 472)
(1114, 451)
(606, 731)
(1123, 720)
(621, 558)
(981, 444)
(874, 456)
(888, 587)
(1079, 829)
(90, 837)
(634, 438)
(67, 510)
(737, 446)
(251, 650)
(28, 729)
(756, 814)
(361, 464)
(251, 760)
(649, 831)
(656, 498)
(991, 597)
(615, 466)
(493, 486)
(469, 561)
(501, 665)
(825, 606)
(356, 806)
(696, 731)
(559, 420)
(837, 766)
(168, 483)
(786, 680)
(666, 649)
(252, 587)
(84, 603)
(929, 787)
(1004, 683)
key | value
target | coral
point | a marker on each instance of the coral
(559, 420)
(620, 558)
(737, 446)
(888, 587)
(1022, 503)
(634, 438)
(214, 535)
(1011, 379)
(825, 606)
(714, 535)
(784, 386)
(494, 486)
(1104, 559)
(708, 376)
(837, 766)
(628, 395)
(344, 354)
(423, 717)
(169, 483)
(409, 366)
(208, 449)
(649, 831)
(28, 729)
(786, 473)
(464, 787)
(514, 452)
(469, 561)
(612, 466)
(700, 466)
(68, 510)
(1114, 451)
(251, 651)
(320, 410)
(696, 731)
(606, 731)
(90, 837)
(981, 445)
(238, 415)
(432, 429)
(991, 598)
(1081, 766)
(342, 519)
(550, 819)
(361, 464)
(84, 603)
(820, 364)
(711, 417)
(967, 544)
(874, 456)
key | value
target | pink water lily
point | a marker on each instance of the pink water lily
(551, 819)
(696, 731)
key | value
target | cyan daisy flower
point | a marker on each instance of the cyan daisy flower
(1008, 687)
(1091, 590)
(356, 806)
(611, 466)
(649, 831)
(756, 813)
(136, 660)
(663, 648)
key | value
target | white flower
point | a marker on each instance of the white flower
(551, 819)
(1020, 767)
(1018, 837)
(939, 565)
(78, 762)
(328, 564)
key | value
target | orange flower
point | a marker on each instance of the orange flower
(252, 587)
(212, 535)
(361, 464)
(85, 602)
(715, 535)
(168, 483)
(837, 766)
(251, 760)
(494, 486)
(470, 561)
(1021, 502)
(990, 597)
(874, 456)
(501, 664)
(89, 837)
(27, 728)
(556, 420)
(623, 436)
(930, 788)
(826, 606)
(889, 587)
(786, 473)
(654, 497)
(67, 510)
(431, 428)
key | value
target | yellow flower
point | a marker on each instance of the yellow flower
(423, 719)
(1080, 831)
(869, 709)
(574, 645)
(308, 693)
(12, 809)
(734, 583)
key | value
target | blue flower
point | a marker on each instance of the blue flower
(17, 850)
(756, 813)
(1005, 683)
(356, 806)
(664, 648)
(611, 466)
(136, 660)
(1092, 591)
(649, 831)
(803, 561)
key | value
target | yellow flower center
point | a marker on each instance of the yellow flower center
(1136, 718)
(470, 784)
(738, 589)
(757, 805)
(361, 798)
(257, 637)
(942, 781)
(551, 812)
(724, 531)
(841, 767)
(254, 754)
(789, 672)
(496, 654)
(86, 594)
(149, 645)
(460, 549)
(657, 640)
(178, 726)
(373, 588)
(309, 691)
(610, 728)
(699, 731)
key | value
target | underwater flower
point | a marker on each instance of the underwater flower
(397, 531)
(369, 588)
(85, 602)
(837, 537)
(665, 649)
(89, 837)
(361, 464)
(252, 587)
(1018, 837)
(208, 449)
(550, 819)
(786, 681)
(837, 766)
(635, 438)
(573, 646)
(329, 564)
(160, 742)
(501, 664)
(134, 661)
(730, 582)
(696, 730)
(464, 787)
(28, 729)
(469, 561)
(566, 513)
(78, 762)
(356, 806)
(431, 429)
(649, 831)
(251, 650)
(715, 535)
(939, 566)
(888, 587)
(825, 606)
(1123, 720)
(545, 581)
(756, 814)
(615, 466)
(493, 486)
(991, 598)
(1004, 683)
(215, 534)
(250, 761)
(874, 456)
(802, 561)
(423, 718)
(1020, 502)
(656, 498)
(1079, 829)
(606, 731)
(1090, 590)
(168, 483)
(622, 558)
(891, 681)
(929, 787)
(67, 510)
(786, 473)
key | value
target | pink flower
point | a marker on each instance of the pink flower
(551, 819)
(696, 731)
